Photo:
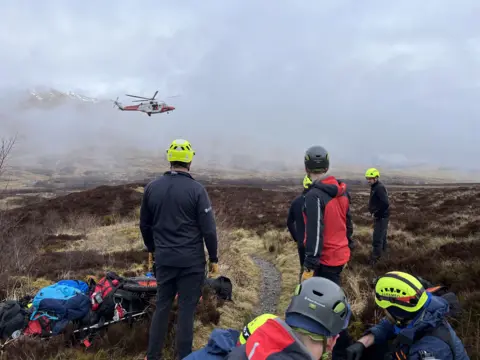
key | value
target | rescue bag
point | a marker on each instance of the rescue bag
(40, 326)
(13, 317)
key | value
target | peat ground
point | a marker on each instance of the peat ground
(434, 233)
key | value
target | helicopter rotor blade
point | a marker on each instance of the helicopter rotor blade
(153, 97)
(139, 97)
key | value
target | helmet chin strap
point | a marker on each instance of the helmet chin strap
(399, 322)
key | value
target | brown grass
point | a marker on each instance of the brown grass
(433, 233)
(77, 249)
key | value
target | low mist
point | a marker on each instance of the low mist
(376, 83)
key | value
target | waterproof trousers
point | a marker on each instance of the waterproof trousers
(188, 283)
(379, 241)
(329, 272)
(301, 257)
(301, 254)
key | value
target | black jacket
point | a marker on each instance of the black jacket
(295, 221)
(378, 204)
(176, 218)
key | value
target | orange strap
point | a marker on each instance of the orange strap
(433, 289)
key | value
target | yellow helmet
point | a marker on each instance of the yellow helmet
(253, 325)
(400, 290)
(180, 150)
(372, 173)
(306, 182)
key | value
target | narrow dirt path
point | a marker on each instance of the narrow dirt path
(270, 287)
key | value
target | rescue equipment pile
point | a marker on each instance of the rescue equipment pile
(78, 309)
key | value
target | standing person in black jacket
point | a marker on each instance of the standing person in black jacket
(296, 224)
(378, 206)
(176, 219)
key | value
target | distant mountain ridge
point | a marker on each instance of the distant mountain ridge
(46, 98)
(52, 95)
(42, 98)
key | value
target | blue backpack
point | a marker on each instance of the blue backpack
(77, 284)
(55, 292)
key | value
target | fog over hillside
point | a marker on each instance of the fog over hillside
(391, 85)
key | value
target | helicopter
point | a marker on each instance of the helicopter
(151, 106)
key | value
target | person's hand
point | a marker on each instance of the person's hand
(352, 245)
(212, 268)
(307, 274)
(355, 351)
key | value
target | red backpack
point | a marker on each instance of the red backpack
(102, 294)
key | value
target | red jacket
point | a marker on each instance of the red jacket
(328, 223)
(274, 340)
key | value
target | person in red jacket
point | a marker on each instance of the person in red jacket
(328, 223)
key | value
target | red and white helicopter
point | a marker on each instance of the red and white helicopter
(151, 106)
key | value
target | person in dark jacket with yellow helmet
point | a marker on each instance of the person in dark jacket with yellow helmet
(176, 219)
(415, 321)
(379, 208)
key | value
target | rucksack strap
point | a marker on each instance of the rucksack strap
(444, 334)
(441, 332)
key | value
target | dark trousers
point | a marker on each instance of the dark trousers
(301, 254)
(344, 340)
(329, 272)
(188, 282)
(379, 241)
(301, 257)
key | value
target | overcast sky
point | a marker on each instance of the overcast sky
(395, 80)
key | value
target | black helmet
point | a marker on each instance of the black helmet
(319, 306)
(317, 159)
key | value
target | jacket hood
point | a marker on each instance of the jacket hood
(275, 339)
(432, 316)
(222, 341)
(331, 186)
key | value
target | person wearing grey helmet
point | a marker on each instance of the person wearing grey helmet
(318, 312)
(328, 221)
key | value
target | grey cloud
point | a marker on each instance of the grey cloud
(371, 80)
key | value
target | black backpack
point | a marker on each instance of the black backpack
(222, 286)
(13, 317)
